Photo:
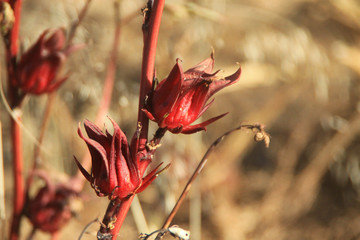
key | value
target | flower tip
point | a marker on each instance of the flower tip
(148, 179)
(82, 170)
(212, 55)
(223, 115)
(115, 125)
(56, 39)
(165, 168)
(87, 123)
(111, 120)
(239, 64)
(79, 129)
(235, 76)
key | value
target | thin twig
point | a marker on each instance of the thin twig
(86, 227)
(259, 132)
(44, 124)
(14, 113)
(77, 22)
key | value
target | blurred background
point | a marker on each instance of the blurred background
(300, 77)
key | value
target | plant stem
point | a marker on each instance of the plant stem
(18, 198)
(151, 26)
(44, 124)
(77, 22)
(197, 171)
(14, 33)
(114, 218)
(117, 209)
(11, 41)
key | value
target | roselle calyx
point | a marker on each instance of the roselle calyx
(38, 68)
(115, 171)
(182, 97)
(53, 205)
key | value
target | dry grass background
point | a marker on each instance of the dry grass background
(301, 78)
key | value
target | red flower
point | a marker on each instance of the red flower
(115, 172)
(182, 97)
(38, 67)
(51, 208)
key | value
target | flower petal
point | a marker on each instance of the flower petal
(200, 126)
(94, 132)
(167, 92)
(206, 107)
(217, 85)
(83, 171)
(121, 137)
(115, 159)
(205, 66)
(97, 152)
(234, 77)
(146, 181)
(56, 40)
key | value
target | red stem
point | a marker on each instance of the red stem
(151, 28)
(124, 208)
(14, 33)
(11, 40)
(117, 209)
(114, 218)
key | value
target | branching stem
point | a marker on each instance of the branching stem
(260, 135)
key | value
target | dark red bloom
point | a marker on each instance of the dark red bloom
(182, 97)
(51, 208)
(38, 67)
(115, 172)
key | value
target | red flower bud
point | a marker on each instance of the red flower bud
(114, 172)
(38, 67)
(182, 97)
(51, 208)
